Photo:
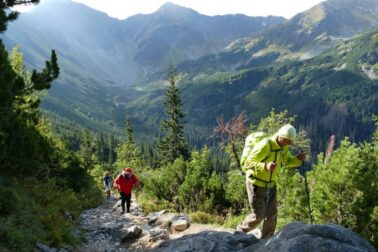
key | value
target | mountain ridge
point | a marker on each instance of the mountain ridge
(304, 36)
(97, 59)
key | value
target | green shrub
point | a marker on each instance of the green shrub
(149, 206)
(232, 221)
(9, 200)
(205, 218)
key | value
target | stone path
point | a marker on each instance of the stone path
(109, 230)
(105, 227)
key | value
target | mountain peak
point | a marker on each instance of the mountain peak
(173, 9)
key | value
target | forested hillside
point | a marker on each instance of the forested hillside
(333, 93)
(97, 59)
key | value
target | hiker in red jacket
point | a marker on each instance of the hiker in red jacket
(125, 183)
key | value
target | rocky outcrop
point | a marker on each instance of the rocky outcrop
(295, 237)
(209, 241)
(298, 236)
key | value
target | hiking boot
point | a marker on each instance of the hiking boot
(239, 229)
(122, 212)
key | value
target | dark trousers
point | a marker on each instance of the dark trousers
(125, 198)
(264, 208)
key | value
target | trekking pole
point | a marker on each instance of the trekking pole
(269, 189)
(267, 198)
(308, 194)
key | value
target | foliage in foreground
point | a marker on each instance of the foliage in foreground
(341, 186)
(43, 185)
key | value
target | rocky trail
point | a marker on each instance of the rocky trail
(109, 230)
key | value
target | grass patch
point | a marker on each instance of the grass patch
(206, 218)
(232, 221)
(150, 205)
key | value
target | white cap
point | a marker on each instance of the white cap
(287, 131)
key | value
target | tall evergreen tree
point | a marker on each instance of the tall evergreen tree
(129, 131)
(111, 151)
(21, 147)
(173, 144)
(100, 148)
(86, 150)
(128, 154)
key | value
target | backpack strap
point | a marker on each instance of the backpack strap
(271, 150)
(275, 159)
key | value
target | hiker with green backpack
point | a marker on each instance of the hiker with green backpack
(261, 161)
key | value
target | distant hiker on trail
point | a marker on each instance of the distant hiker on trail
(125, 183)
(262, 166)
(108, 182)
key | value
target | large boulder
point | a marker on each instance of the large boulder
(153, 217)
(298, 237)
(295, 237)
(156, 234)
(180, 225)
(208, 241)
(132, 233)
(170, 221)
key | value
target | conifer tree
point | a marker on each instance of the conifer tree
(22, 148)
(100, 148)
(344, 188)
(111, 151)
(128, 154)
(129, 132)
(86, 150)
(173, 144)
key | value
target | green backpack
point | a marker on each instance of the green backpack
(250, 142)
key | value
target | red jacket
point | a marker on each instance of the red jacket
(124, 184)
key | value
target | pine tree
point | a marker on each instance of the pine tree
(86, 150)
(173, 144)
(111, 151)
(334, 190)
(100, 148)
(22, 147)
(128, 154)
(202, 188)
(129, 132)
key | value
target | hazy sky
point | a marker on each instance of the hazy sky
(122, 9)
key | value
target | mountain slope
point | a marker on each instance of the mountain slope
(175, 34)
(119, 52)
(97, 53)
(333, 93)
(302, 37)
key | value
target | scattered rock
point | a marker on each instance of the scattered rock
(180, 225)
(44, 248)
(165, 221)
(76, 233)
(132, 233)
(69, 248)
(68, 216)
(158, 234)
(117, 205)
(153, 217)
(171, 221)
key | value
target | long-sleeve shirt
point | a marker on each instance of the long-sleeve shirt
(265, 151)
